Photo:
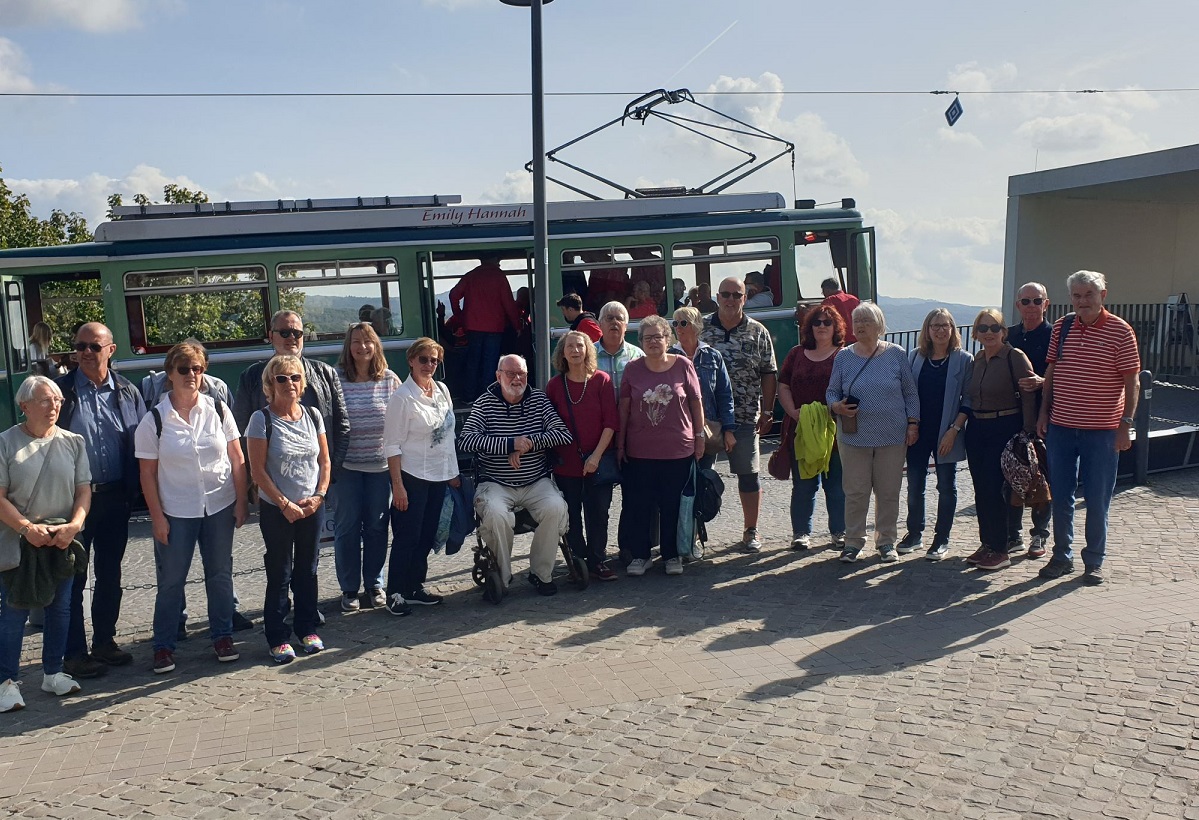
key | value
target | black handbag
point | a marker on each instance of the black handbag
(608, 471)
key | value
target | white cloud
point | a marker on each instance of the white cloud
(973, 77)
(14, 68)
(89, 15)
(1084, 131)
(955, 259)
(89, 195)
(956, 136)
(517, 186)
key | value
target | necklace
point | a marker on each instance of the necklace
(938, 362)
(570, 398)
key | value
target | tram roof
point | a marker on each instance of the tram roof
(211, 233)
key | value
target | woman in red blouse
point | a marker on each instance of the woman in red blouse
(584, 398)
(804, 379)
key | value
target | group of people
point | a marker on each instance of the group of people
(857, 410)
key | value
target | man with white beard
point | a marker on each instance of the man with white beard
(512, 428)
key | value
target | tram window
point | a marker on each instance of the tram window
(814, 261)
(331, 296)
(64, 304)
(18, 332)
(218, 306)
(703, 265)
(632, 275)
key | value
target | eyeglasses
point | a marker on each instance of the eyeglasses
(427, 360)
(53, 401)
(92, 346)
(290, 333)
(284, 378)
(822, 323)
(184, 369)
(654, 337)
(515, 374)
(1037, 301)
(679, 323)
(730, 294)
(989, 329)
(940, 326)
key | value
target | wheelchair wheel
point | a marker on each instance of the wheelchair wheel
(479, 575)
(581, 576)
(493, 587)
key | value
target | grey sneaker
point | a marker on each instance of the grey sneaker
(350, 602)
(839, 540)
(887, 554)
(637, 566)
(801, 542)
(1015, 545)
(750, 542)
(1093, 576)
(60, 683)
(850, 554)
(674, 566)
(937, 551)
(1036, 547)
(910, 543)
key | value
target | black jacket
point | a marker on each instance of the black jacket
(132, 408)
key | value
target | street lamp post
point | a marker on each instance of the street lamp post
(541, 276)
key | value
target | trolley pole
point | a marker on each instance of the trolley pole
(1140, 470)
(541, 275)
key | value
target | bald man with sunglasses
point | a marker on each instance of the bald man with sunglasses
(1031, 335)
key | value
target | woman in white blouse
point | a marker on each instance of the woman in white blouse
(418, 440)
(194, 480)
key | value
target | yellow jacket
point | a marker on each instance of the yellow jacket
(814, 436)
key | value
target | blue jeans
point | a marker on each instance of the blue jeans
(290, 560)
(361, 501)
(482, 359)
(54, 632)
(173, 560)
(1090, 458)
(105, 535)
(947, 489)
(414, 530)
(803, 498)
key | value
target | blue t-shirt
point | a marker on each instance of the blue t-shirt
(292, 453)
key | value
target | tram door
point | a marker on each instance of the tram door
(15, 361)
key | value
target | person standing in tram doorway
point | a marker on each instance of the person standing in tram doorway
(483, 298)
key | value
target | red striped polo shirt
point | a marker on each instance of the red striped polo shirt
(1088, 378)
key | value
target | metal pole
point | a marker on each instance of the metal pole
(541, 277)
(1140, 469)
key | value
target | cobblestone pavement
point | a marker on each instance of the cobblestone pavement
(779, 684)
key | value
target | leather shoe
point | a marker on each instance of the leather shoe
(241, 623)
(84, 666)
(111, 654)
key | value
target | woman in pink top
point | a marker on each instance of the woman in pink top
(660, 437)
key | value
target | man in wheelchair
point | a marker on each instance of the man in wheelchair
(512, 429)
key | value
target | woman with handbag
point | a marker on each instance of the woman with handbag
(873, 394)
(587, 468)
(803, 380)
(44, 474)
(714, 384)
(999, 409)
(659, 440)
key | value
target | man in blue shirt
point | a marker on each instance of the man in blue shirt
(104, 408)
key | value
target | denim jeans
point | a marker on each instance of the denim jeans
(290, 560)
(587, 504)
(482, 359)
(947, 489)
(173, 560)
(1041, 516)
(105, 535)
(361, 501)
(413, 532)
(1090, 458)
(803, 498)
(54, 633)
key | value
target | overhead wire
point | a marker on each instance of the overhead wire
(435, 94)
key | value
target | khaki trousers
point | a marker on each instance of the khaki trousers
(494, 504)
(866, 469)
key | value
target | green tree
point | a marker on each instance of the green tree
(19, 228)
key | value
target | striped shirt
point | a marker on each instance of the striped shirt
(494, 424)
(1088, 379)
(366, 405)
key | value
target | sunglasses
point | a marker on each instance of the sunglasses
(989, 329)
(730, 294)
(1036, 301)
(284, 378)
(290, 333)
(822, 322)
(679, 323)
(184, 369)
(92, 346)
(427, 360)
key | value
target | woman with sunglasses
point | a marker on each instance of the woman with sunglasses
(418, 441)
(998, 410)
(289, 461)
(714, 383)
(942, 372)
(803, 380)
(583, 396)
(361, 491)
(194, 481)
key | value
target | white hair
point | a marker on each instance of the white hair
(874, 313)
(511, 357)
(1086, 277)
(1037, 286)
(614, 307)
(30, 385)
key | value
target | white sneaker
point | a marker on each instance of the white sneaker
(674, 566)
(749, 541)
(637, 566)
(10, 696)
(60, 683)
(801, 542)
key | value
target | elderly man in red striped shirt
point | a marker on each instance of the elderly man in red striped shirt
(1090, 395)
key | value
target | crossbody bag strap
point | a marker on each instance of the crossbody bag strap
(849, 391)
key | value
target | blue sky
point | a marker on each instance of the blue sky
(936, 195)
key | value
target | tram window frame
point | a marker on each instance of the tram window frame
(804, 271)
(43, 307)
(625, 259)
(730, 260)
(313, 275)
(172, 283)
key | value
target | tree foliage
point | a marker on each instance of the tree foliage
(19, 228)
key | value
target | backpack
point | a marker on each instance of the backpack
(1023, 465)
(312, 412)
(709, 492)
(220, 414)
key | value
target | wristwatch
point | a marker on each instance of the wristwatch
(956, 426)
(319, 494)
(1129, 420)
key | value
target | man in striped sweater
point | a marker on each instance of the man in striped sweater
(512, 428)
(1090, 397)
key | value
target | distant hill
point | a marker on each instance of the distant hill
(908, 313)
